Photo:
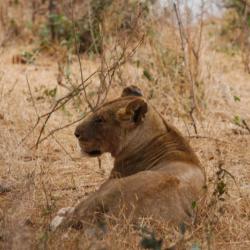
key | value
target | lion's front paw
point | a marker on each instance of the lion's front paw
(60, 217)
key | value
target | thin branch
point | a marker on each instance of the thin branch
(191, 113)
(187, 66)
(31, 96)
(221, 169)
(200, 29)
(79, 61)
(60, 103)
(207, 138)
(63, 148)
(122, 60)
(36, 111)
(181, 27)
(110, 72)
(245, 125)
(58, 129)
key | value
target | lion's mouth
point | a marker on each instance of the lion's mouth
(94, 153)
(90, 150)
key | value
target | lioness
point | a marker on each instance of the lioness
(156, 173)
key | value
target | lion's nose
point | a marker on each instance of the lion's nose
(81, 133)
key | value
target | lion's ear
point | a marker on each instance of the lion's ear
(133, 114)
(131, 91)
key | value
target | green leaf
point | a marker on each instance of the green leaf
(194, 204)
(221, 188)
(237, 120)
(236, 98)
(148, 75)
(50, 92)
(138, 63)
(28, 56)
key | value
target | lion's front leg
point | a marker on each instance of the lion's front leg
(86, 213)
(75, 217)
(60, 217)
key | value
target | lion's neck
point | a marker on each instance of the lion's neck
(166, 147)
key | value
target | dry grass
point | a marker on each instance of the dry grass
(54, 176)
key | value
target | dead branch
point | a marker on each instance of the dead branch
(187, 66)
(246, 126)
(31, 96)
(60, 103)
(62, 147)
(191, 113)
(52, 9)
(182, 33)
(200, 29)
(64, 100)
(80, 64)
(244, 37)
(41, 139)
(121, 59)
(37, 114)
(107, 72)
(208, 138)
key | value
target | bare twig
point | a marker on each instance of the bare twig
(52, 8)
(180, 27)
(121, 59)
(36, 111)
(187, 66)
(191, 113)
(31, 96)
(224, 171)
(246, 126)
(62, 101)
(79, 60)
(107, 72)
(60, 77)
(58, 129)
(208, 138)
(200, 29)
(59, 104)
(245, 37)
(63, 148)
(182, 33)
(38, 117)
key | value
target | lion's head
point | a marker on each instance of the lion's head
(114, 125)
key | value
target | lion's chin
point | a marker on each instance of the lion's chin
(92, 153)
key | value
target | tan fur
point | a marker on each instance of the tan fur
(156, 173)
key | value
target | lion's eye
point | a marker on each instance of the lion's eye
(99, 119)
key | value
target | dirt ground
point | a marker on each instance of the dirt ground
(35, 184)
